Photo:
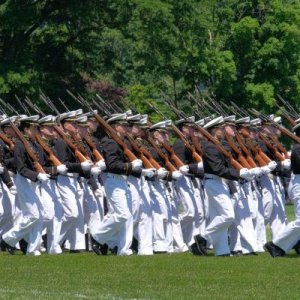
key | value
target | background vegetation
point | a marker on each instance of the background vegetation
(235, 50)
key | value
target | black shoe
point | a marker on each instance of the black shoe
(237, 253)
(159, 252)
(251, 254)
(194, 250)
(23, 246)
(74, 251)
(201, 243)
(114, 250)
(11, 250)
(274, 250)
(226, 254)
(135, 245)
(297, 247)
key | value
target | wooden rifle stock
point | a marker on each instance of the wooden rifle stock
(7, 140)
(237, 151)
(110, 131)
(196, 157)
(178, 162)
(280, 147)
(164, 157)
(272, 148)
(73, 147)
(52, 157)
(37, 166)
(92, 145)
(249, 158)
(257, 152)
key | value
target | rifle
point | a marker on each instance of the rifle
(62, 134)
(279, 146)
(249, 158)
(261, 158)
(285, 131)
(271, 147)
(237, 151)
(33, 156)
(108, 129)
(197, 158)
(219, 146)
(164, 157)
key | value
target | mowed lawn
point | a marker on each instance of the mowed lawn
(176, 276)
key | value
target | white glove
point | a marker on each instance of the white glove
(98, 193)
(161, 173)
(246, 174)
(200, 165)
(184, 169)
(101, 164)
(286, 164)
(136, 164)
(62, 169)
(1, 169)
(148, 172)
(13, 190)
(176, 175)
(43, 177)
(272, 165)
(95, 170)
(86, 165)
(256, 172)
(265, 169)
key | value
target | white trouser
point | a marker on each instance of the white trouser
(290, 235)
(30, 224)
(259, 222)
(243, 218)
(119, 220)
(142, 215)
(221, 215)
(52, 215)
(268, 196)
(161, 216)
(178, 242)
(278, 218)
(190, 216)
(8, 207)
(68, 191)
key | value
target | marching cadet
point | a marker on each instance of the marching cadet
(30, 224)
(72, 228)
(221, 211)
(8, 188)
(189, 194)
(118, 220)
(49, 193)
(289, 236)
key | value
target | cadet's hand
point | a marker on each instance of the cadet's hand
(286, 164)
(162, 173)
(98, 193)
(176, 175)
(246, 174)
(136, 164)
(95, 170)
(43, 177)
(272, 165)
(86, 165)
(101, 164)
(200, 165)
(148, 172)
(184, 169)
(62, 169)
(256, 171)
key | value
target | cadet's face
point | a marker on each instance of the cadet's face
(218, 132)
(47, 131)
(135, 130)
(70, 127)
(159, 136)
(92, 125)
(229, 129)
(187, 130)
(30, 131)
(121, 128)
(253, 134)
(167, 137)
(83, 130)
(9, 131)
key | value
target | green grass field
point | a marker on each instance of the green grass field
(176, 276)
